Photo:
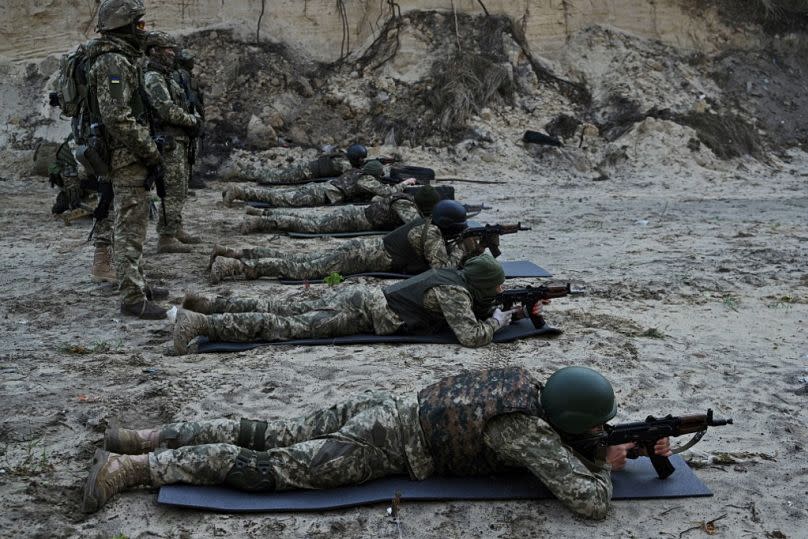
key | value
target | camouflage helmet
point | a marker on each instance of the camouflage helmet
(114, 14)
(576, 399)
(449, 216)
(161, 40)
(374, 168)
(356, 153)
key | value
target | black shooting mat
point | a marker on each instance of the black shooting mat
(520, 329)
(514, 269)
(636, 482)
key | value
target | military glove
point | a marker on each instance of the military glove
(196, 130)
(503, 318)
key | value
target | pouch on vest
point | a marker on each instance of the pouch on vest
(94, 156)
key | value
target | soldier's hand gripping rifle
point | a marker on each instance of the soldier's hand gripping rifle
(529, 296)
(646, 433)
(489, 235)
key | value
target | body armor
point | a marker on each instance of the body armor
(348, 184)
(406, 299)
(380, 214)
(405, 258)
(454, 411)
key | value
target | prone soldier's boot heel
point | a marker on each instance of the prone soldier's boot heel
(128, 441)
(111, 474)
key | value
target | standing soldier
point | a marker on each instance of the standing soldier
(171, 121)
(196, 99)
(121, 139)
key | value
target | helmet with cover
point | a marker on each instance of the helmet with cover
(114, 14)
(577, 399)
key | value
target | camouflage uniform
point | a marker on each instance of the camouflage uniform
(352, 309)
(114, 78)
(317, 194)
(325, 166)
(383, 213)
(170, 108)
(360, 255)
(475, 423)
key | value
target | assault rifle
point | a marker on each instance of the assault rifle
(156, 176)
(385, 160)
(105, 198)
(529, 296)
(475, 209)
(489, 235)
(646, 433)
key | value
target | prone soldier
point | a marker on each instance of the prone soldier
(356, 185)
(327, 165)
(383, 213)
(411, 248)
(472, 423)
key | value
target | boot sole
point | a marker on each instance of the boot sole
(89, 499)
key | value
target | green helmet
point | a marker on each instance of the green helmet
(161, 40)
(374, 168)
(425, 198)
(114, 14)
(575, 399)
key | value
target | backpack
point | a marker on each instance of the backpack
(71, 84)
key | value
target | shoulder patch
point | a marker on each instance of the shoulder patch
(116, 86)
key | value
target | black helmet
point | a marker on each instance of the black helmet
(575, 399)
(356, 154)
(449, 216)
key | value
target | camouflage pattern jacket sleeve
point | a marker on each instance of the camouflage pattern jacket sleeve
(164, 101)
(529, 442)
(116, 81)
(428, 242)
(455, 303)
(372, 185)
(406, 210)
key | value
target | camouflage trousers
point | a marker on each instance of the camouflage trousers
(131, 220)
(352, 309)
(310, 194)
(354, 256)
(175, 161)
(103, 237)
(341, 219)
(370, 436)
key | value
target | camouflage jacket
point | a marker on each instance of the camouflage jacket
(115, 86)
(168, 102)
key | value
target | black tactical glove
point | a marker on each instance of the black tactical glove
(154, 176)
(196, 130)
(105, 197)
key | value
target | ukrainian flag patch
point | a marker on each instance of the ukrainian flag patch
(116, 86)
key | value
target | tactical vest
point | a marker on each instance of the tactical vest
(405, 258)
(406, 299)
(178, 97)
(454, 411)
(325, 167)
(380, 213)
(348, 183)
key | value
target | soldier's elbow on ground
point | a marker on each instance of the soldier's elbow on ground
(598, 509)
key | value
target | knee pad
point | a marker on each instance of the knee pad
(251, 434)
(252, 472)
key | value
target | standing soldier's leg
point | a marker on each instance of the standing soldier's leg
(169, 221)
(131, 219)
(103, 268)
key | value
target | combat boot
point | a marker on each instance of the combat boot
(156, 292)
(130, 442)
(257, 224)
(170, 244)
(225, 267)
(188, 326)
(200, 303)
(102, 269)
(221, 250)
(229, 195)
(184, 237)
(111, 474)
(145, 310)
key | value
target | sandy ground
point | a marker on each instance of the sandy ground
(711, 258)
